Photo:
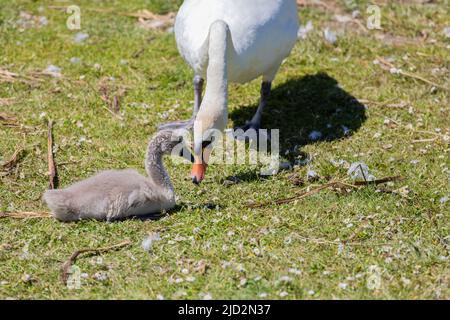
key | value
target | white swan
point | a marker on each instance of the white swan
(231, 40)
(116, 194)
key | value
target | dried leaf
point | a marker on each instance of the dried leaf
(152, 21)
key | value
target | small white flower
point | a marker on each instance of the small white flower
(446, 32)
(52, 69)
(340, 248)
(285, 279)
(207, 296)
(343, 285)
(184, 271)
(179, 280)
(80, 37)
(295, 271)
(304, 30)
(330, 36)
(311, 292)
(263, 295)
(283, 294)
(75, 60)
(394, 70)
(100, 276)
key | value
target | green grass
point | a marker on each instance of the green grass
(406, 237)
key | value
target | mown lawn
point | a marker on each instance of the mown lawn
(368, 243)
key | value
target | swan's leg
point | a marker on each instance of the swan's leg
(188, 124)
(255, 122)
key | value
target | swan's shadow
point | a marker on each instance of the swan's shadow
(306, 106)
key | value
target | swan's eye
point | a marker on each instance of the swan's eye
(207, 143)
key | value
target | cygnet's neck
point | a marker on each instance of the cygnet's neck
(156, 170)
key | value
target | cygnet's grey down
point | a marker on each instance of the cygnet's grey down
(117, 194)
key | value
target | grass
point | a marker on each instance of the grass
(401, 240)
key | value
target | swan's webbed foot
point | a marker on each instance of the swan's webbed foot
(250, 125)
(175, 125)
(252, 133)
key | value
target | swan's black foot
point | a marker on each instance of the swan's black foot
(251, 131)
(250, 125)
(186, 124)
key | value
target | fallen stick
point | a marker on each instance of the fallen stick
(356, 232)
(25, 215)
(52, 173)
(12, 162)
(333, 184)
(411, 75)
(72, 259)
(378, 181)
(425, 140)
(293, 198)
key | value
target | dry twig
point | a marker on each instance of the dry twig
(12, 162)
(411, 75)
(52, 173)
(331, 185)
(25, 215)
(68, 264)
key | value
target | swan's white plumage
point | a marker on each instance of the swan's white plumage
(263, 33)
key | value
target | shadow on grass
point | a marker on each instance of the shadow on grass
(179, 207)
(313, 103)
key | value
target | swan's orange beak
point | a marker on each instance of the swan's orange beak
(198, 172)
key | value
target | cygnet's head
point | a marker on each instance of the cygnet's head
(164, 142)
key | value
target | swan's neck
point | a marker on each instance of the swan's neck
(157, 172)
(215, 100)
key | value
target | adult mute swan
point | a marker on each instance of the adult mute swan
(230, 40)
(116, 194)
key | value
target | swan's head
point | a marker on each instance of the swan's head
(207, 126)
